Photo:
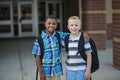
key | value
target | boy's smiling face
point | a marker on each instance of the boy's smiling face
(74, 26)
(51, 25)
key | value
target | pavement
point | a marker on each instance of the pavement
(17, 62)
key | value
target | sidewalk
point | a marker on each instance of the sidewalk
(107, 71)
(17, 62)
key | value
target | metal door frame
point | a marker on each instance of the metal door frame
(22, 34)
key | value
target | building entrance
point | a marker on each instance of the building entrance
(26, 18)
(16, 19)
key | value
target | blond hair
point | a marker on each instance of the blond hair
(75, 18)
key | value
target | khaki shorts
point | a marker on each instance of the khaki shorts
(53, 78)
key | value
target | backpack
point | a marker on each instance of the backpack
(94, 54)
(41, 44)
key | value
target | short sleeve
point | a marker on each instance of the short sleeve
(87, 47)
(36, 48)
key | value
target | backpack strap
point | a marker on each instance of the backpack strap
(41, 44)
(36, 74)
(66, 41)
(81, 49)
(59, 40)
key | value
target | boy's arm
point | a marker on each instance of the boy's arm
(88, 70)
(89, 62)
(35, 51)
(39, 66)
(62, 36)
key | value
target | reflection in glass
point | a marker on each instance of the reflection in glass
(54, 9)
(4, 28)
(26, 11)
(26, 27)
(4, 12)
(41, 11)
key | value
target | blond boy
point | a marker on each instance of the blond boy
(77, 68)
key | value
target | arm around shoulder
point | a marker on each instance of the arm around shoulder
(85, 35)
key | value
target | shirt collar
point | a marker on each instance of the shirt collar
(77, 38)
(47, 35)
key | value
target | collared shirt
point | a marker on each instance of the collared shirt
(52, 56)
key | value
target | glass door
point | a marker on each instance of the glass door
(55, 8)
(25, 19)
(6, 19)
(41, 15)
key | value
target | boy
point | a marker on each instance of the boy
(51, 67)
(77, 68)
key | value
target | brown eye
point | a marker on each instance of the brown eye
(49, 23)
(53, 23)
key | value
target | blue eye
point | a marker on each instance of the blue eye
(76, 25)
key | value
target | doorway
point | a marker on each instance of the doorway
(6, 19)
(19, 17)
(25, 18)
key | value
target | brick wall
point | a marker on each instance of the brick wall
(116, 32)
(94, 21)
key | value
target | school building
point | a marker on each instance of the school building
(100, 18)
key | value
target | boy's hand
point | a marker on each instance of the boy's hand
(87, 75)
(85, 35)
(42, 76)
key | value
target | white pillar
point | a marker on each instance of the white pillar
(80, 9)
(35, 17)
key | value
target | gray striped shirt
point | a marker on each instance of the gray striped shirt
(76, 62)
